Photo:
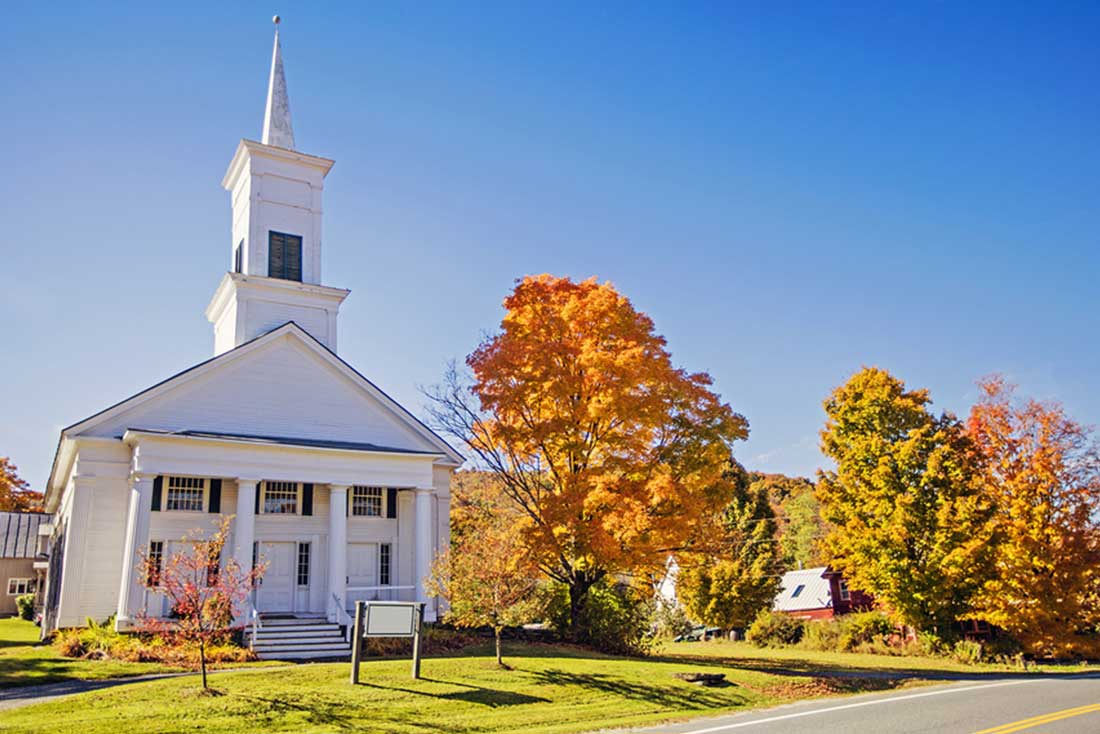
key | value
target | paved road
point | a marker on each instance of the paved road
(1047, 705)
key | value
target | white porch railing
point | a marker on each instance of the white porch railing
(342, 616)
(254, 623)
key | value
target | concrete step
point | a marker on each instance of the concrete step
(262, 650)
(297, 634)
(298, 628)
(307, 655)
(292, 621)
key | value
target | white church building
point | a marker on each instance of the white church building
(343, 493)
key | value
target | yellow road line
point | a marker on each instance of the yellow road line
(1022, 724)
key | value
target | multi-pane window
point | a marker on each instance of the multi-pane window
(185, 493)
(281, 498)
(366, 501)
(154, 563)
(303, 564)
(284, 256)
(384, 564)
(845, 593)
(17, 587)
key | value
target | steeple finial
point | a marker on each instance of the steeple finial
(277, 129)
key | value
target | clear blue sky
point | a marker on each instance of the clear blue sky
(790, 191)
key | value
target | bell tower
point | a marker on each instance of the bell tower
(275, 271)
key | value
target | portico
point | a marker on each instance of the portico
(307, 510)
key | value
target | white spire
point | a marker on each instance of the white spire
(277, 129)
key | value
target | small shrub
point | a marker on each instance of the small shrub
(863, 628)
(930, 644)
(821, 635)
(775, 629)
(25, 606)
(616, 619)
(68, 644)
(968, 651)
(1005, 649)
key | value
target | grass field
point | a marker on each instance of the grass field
(25, 662)
(797, 659)
(549, 689)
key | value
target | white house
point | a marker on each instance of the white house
(343, 492)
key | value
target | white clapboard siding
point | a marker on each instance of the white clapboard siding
(282, 389)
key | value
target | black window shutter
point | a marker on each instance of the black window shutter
(391, 503)
(276, 255)
(347, 501)
(307, 499)
(258, 485)
(293, 255)
(158, 483)
(215, 496)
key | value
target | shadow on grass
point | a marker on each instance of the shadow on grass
(482, 696)
(816, 668)
(324, 713)
(670, 695)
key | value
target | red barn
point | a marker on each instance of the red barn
(818, 593)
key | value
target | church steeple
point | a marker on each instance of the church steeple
(277, 127)
(275, 270)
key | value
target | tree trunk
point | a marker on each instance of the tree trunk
(202, 660)
(579, 586)
(500, 661)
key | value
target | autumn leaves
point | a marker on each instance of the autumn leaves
(611, 459)
(994, 518)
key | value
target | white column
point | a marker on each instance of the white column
(337, 548)
(424, 553)
(136, 544)
(244, 525)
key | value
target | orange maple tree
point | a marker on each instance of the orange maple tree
(614, 456)
(486, 576)
(15, 494)
(203, 591)
(1042, 470)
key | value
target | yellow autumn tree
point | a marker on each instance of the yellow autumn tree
(909, 520)
(729, 583)
(1042, 471)
(613, 455)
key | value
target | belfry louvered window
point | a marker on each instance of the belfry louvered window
(284, 256)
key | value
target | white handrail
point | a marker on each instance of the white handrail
(342, 616)
(254, 624)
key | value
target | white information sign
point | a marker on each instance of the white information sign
(385, 619)
(390, 620)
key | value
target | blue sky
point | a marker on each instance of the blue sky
(790, 190)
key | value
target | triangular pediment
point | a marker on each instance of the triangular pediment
(284, 384)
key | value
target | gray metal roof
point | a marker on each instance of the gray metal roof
(316, 443)
(814, 593)
(19, 533)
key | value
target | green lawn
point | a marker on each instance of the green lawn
(24, 661)
(797, 659)
(549, 689)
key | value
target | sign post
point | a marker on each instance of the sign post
(386, 619)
